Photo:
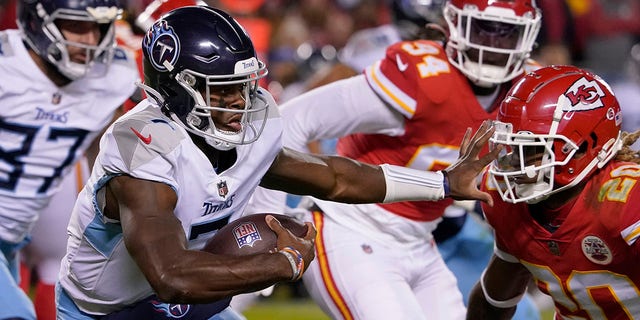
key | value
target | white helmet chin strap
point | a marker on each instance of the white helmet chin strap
(533, 189)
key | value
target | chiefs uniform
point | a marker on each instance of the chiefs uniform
(409, 109)
(417, 81)
(589, 264)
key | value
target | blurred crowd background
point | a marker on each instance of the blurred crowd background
(298, 39)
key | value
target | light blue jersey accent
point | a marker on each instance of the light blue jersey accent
(103, 237)
(14, 303)
(66, 309)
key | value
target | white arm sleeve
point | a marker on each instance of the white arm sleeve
(335, 110)
(266, 200)
(406, 184)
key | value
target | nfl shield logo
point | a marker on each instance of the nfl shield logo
(222, 189)
(246, 234)
(55, 99)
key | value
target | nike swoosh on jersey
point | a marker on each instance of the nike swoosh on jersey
(144, 139)
(401, 65)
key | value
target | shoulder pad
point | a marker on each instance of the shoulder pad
(120, 54)
(367, 46)
(145, 135)
(125, 58)
(5, 45)
(410, 71)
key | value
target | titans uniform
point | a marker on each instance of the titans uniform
(44, 129)
(589, 265)
(97, 272)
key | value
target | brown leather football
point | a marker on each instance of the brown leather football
(251, 234)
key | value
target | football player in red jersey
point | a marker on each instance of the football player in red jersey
(563, 189)
(379, 261)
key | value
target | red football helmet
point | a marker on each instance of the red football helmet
(490, 39)
(557, 124)
(157, 8)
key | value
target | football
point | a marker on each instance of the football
(251, 234)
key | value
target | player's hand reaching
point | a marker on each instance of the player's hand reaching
(286, 239)
(462, 174)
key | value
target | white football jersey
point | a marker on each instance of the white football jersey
(44, 128)
(368, 46)
(97, 271)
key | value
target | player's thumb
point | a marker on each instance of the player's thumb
(485, 197)
(274, 224)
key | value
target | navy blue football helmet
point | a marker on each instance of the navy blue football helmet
(37, 21)
(188, 52)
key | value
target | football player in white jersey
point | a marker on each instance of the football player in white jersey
(49, 236)
(174, 169)
(378, 261)
(62, 82)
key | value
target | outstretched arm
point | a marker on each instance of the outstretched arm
(345, 180)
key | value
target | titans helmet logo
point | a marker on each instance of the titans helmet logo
(162, 46)
(170, 310)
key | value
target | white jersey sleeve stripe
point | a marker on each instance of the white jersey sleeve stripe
(389, 92)
(631, 233)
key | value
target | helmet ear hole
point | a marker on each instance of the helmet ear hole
(582, 149)
(594, 140)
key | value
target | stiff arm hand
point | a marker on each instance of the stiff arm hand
(462, 174)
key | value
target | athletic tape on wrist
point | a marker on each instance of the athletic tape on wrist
(405, 184)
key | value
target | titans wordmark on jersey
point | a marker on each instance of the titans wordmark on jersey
(44, 128)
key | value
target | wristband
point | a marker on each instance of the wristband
(299, 261)
(406, 184)
(295, 260)
(445, 184)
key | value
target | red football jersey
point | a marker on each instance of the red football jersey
(589, 265)
(438, 104)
